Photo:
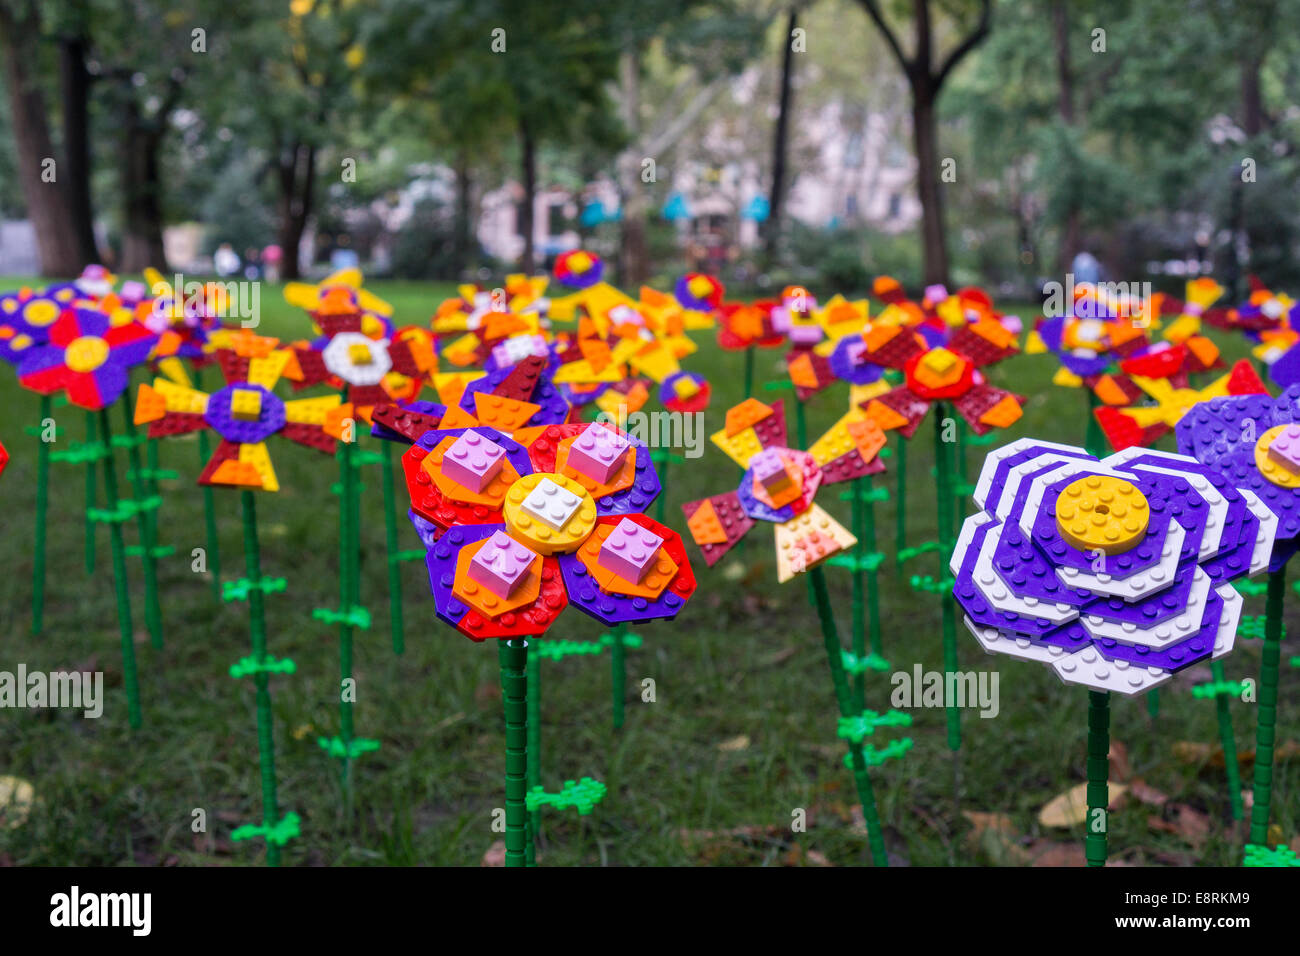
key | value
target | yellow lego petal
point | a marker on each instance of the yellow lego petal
(310, 411)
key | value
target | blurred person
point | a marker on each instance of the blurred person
(225, 260)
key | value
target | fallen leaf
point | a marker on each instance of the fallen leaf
(302, 731)
(1183, 821)
(1053, 853)
(495, 855)
(780, 657)
(1119, 765)
(16, 799)
(1142, 791)
(1070, 808)
(740, 742)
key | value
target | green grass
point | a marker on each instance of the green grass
(744, 660)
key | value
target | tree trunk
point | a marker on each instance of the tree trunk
(1252, 100)
(926, 135)
(1071, 240)
(47, 202)
(74, 86)
(462, 232)
(529, 168)
(142, 243)
(297, 172)
(772, 230)
(633, 267)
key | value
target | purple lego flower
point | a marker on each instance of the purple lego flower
(1250, 440)
(1117, 573)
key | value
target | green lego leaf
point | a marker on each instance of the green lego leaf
(79, 453)
(126, 510)
(239, 590)
(338, 749)
(558, 650)
(854, 665)
(1251, 627)
(158, 551)
(152, 474)
(1251, 588)
(582, 795)
(280, 834)
(355, 616)
(875, 756)
(661, 455)
(860, 726)
(267, 664)
(1280, 856)
(928, 584)
(858, 562)
(1212, 689)
(415, 554)
(907, 554)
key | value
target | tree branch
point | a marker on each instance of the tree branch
(873, 11)
(971, 42)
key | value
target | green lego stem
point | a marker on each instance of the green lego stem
(129, 678)
(859, 637)
(145, 523)
(749, 371)
(513, 659)
(1228, 740)
(900, 502)
(209, 512)
(1153, 704)
(800, 422)
(1094, 441)
(347, 478)
(946, 504)
(395, 617)
(961, 453)
(91, 438)
(873, 594)
(1094, 842)
(1265, 726)
(257, 633)
(663, 488)
(618, 672)
(42, 505)
(844, 699)
(535, 738)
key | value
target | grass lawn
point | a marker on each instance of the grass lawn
(741, 735)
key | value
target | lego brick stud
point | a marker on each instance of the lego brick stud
(1285, 448)
(501, 565)
(359, 354)
(550, 504)
(629, 551)
(1102, 513)
(599, 454)
(246, 404)
(771, 472)
(473, 461)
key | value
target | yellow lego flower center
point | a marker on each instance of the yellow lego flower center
(41, 313)
(359, 354)
(85, 354)
(1102, 513)
(1277, 455)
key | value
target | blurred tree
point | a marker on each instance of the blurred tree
(51, 196)
(926, 74)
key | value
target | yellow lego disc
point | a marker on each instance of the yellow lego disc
(1102, 513)
(549, 513)
(1270, 467)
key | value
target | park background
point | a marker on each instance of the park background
(804, 143)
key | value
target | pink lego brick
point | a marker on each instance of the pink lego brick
(473, 461)
(805, 334)
(629, 551)
(599, 453)
(501, 564)
(1285, 448)
(770, 470)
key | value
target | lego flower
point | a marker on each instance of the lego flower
(698, 292)
(1087, 342)
(942, 372)
(528, 530)
(374, 371)
(86, 357)
(26, 317)
(1253, 441)
(341, 294)
(1159, 380)
(578, 269)
(244, 414)
(780, 483)
(743, 326)
(1117, 573)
